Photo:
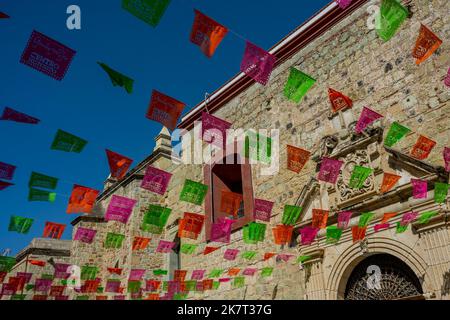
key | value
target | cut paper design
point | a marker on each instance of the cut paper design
(343, 3)
(155, 219)
(359, 177)
(291, 214)
(282, 234)
(140, 243)
(149, 11)
(239, 282)
(339, 101)
(67, 142)
(198, 274)
(120, 209)
(38, 263)
(43, 285)
(4, 185)
(329, 170)
(20, 224)
(319, 218)
(344, 219)
(368, 116)
(82, 199)
(209, 249)
(283, 257)
(249, 272)
(401, 228)
(164, 109)
(42, 181)
(384, 222)
(266, 272)
(307, 235)
(165, 246)
(381, 226)
(10, 114)
(117, 78)
(297, 85)
(408, 218)
(156, 180)
(191, 225)
(112, 286)
(114, 240)
(53, 230)
(296, 158)
(61, 271)
(446, 155)
(26, 275)
(85, 235)
(447, 78)
(118, 164)
(188, 248)
(395, 134)
(358, 233)
(215, 273)
(427, 43)
(230, 202)
(6, 263)
(389, 180)
(214, 130)
(152, 285)
(136, 274)
(333, 234)
(257, 63)
(159, 272)
(134, 286)
(254, 232)
(440, 192)
(117, 271)
(364, 219)
(232, 272)
(249, 255)
(207, 33)
(392, 15)
(230, 254)
(263, 209)
(257, 147)
(41, 195)
(47, 55)
(422, 148)
(6, 171)
(419, 188)
(193, 192)
(425, 217)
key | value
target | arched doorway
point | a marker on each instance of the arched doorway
(396, 280)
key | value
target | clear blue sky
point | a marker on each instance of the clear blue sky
(86, 104)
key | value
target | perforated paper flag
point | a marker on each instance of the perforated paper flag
(307, 235)
(254, 232)
(419, 188)
(319, 218)
(53, 230)
(209, 249)
(296, 158)
(230, 254)
(396, 133)
(221, 230)
(67, 142)
(43, 285)
(215, 273)
(198, 274)
(191, 225)
(6, 263)
(440, 192)
(20, 224)
(257, 147)
(156, 180)
(368, 116)
(6, 171)
(214, 130)
(26, 275)
(343, 3)
(155, 219)
(359, 177)
(297, 85)
(365, 219)
(358, 233)
(291, 214)
(446, 155)
(112, 286)
(408, 218)
(114, 240)
(140, 243)
(339, 101)
(82, 199)
(392, 15)
(120, 209)
(4, 185)
(159, 272)
(42, 181)
(152, 285)
(85, 235)
(263, 209)
(47, 55)
(427, 43)
(329, 170)
(149, 11)
(118, 164)
(117, 78)
(41, 195)
(165, 246)
(422, 148)
(248, 255)
(193, 192)
(333, 234)
(447, 78)
(302, 259)
(230, 202)
(344, 219)
(381, 226)
(207, 33)
(389, 180)
(188, 248)
(164, 109)
(425, 217)
(283, 257)
(136, 274)
(233, 271)
(257, 63)
(266, 271)
(239, 282)
(10, 114)
(61, 271)
(249, 272)
(282, 234)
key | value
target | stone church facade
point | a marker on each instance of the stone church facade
(338, 49)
